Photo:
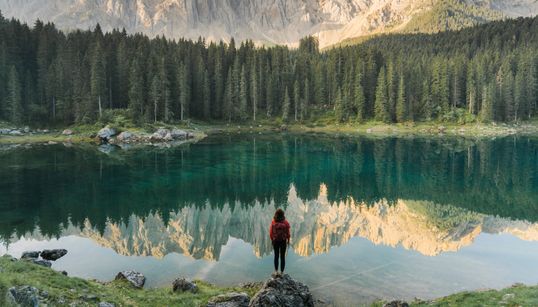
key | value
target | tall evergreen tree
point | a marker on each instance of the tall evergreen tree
(381, 99)
(359, 97)
(98, 78)
(286, 106)
(14, 98)
(401, 105)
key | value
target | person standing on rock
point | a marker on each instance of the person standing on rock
(279, 231)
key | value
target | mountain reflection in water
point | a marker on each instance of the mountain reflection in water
(317, 224)
(392, 217)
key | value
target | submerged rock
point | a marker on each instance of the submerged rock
(283, 291)
(53, 254)
(136, 279)
(184, 285)
(24, 296)
(229, 300)
(30, 255)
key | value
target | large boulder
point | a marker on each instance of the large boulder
(136, 279)
(106, 133)
(24, 296)
(178, 134)
(5, 131)
(229, 300)
(15, 132)
(161, 135)
(282, 291)
(30, 255)
(184, 285)
(125, 136)
(68, 132)
(53, 254)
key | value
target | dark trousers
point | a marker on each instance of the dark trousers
(280, 250)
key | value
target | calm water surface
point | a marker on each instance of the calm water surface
(371, 218)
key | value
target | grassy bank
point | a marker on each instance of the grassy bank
(63, 290)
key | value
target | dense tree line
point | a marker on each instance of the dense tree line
(488, 72)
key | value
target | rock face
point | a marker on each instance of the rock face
(136, 279)
(229, 300)
(183, 285)
(282, 291)
(265, 21)
(53, 254)
(24, 296)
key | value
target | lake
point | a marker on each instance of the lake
(371, 217)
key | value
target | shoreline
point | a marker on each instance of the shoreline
(56, 288)
(86, 134)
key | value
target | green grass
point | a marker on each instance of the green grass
(517, 295)
(70, 289)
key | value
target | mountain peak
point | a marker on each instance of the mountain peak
(263, 21)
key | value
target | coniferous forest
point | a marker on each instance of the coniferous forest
(484, 73)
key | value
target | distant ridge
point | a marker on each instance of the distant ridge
(268, 21)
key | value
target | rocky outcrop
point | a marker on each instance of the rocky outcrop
(282, 291)
(184, 285)
(134, 278)
(53, 254)
(232, 299)
(24, 296)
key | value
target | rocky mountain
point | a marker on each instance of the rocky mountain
(318, 225)
(266, 21)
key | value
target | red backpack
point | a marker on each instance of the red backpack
(280, 232)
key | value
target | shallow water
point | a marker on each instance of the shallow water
(371, 218)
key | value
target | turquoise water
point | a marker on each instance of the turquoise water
(371, 218)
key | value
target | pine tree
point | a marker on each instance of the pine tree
(306, 100)
(286, 106)
(228, 97)
(486, 113)
(296, 99)
(427, 104)
(381, 99)
(254, 94)
(471, 90)
(14, 98)
(98, 78)
(136, 91)
(359, 97)
(243, 95)
(184, 91)
(339, 106)
(206, 96)
(155, 95)
(401, 105)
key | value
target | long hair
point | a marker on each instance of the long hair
(279, 215)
